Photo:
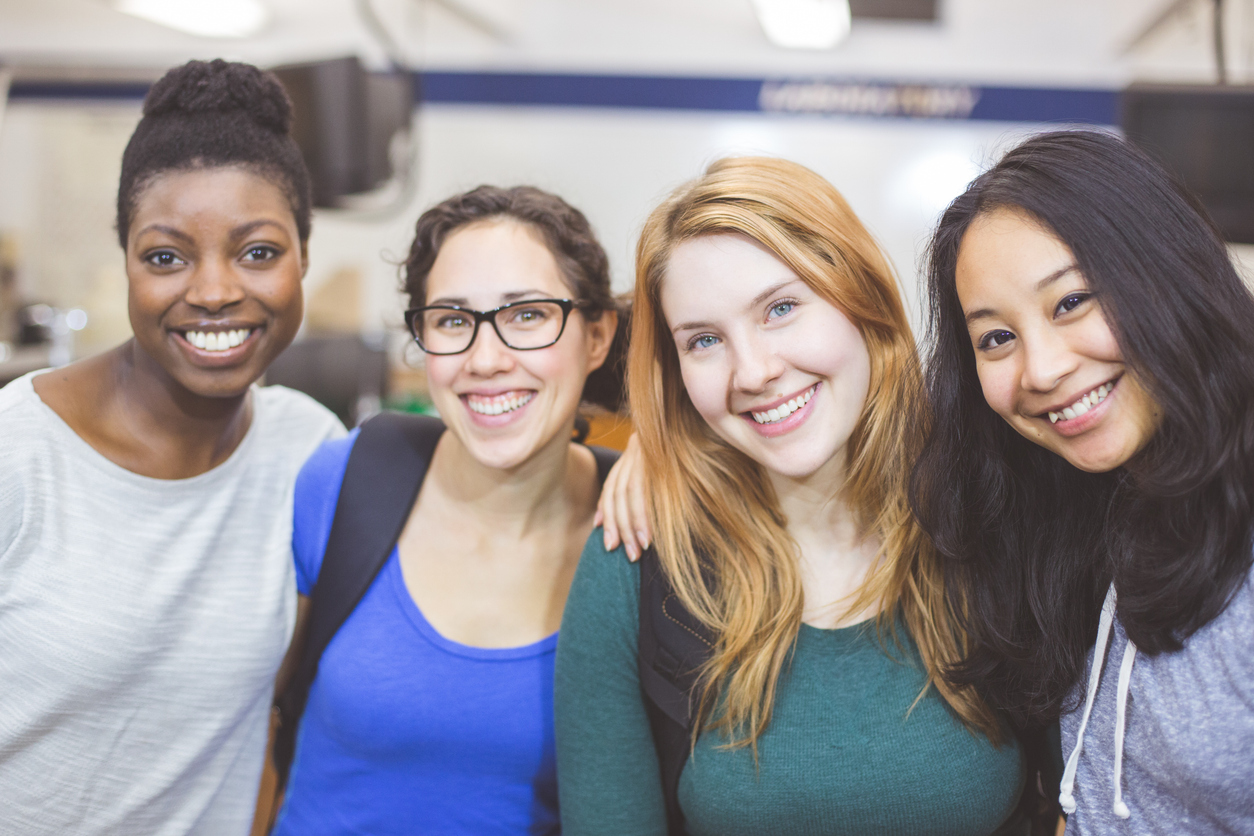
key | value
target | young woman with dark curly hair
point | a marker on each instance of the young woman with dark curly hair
(431, 708)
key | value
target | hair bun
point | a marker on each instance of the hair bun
(219, 86)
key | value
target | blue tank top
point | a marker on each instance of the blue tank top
(405, 731)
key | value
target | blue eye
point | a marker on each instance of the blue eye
(782, 308)
(1070, 302)
(994, 339)
(702, 341)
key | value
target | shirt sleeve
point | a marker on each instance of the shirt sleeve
(608, 775)
(317, 492)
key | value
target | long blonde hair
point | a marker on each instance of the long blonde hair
(714, 512)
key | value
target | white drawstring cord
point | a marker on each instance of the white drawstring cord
(1121, 713)
(1066, 798)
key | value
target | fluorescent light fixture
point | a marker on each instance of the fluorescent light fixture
(804, 24)
(207, 18)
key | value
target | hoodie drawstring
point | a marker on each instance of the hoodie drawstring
(1121, 716)
(1066, 796)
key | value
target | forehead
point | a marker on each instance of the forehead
(717, 276)
(483, 261)
(1004, 254)
(226, 193)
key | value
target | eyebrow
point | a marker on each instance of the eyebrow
(1041, 285)
(238, 232)
(506, 298)
(757, 300)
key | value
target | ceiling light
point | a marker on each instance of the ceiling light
(216, 19)
(804, 24)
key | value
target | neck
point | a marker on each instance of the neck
(154, 405)
(517, 500)
(835, 555)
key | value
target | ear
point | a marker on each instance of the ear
(600, 337)
(304, 259)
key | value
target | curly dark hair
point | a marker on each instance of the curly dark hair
(1030, 543)
(209, 114)
(570, 239)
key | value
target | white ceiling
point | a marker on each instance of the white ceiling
(1081, 42)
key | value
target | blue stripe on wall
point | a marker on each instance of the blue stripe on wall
(822, 96)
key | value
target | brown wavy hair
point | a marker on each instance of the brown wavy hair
(720, 534)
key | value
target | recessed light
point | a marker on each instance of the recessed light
(804, 24)
(207, 18)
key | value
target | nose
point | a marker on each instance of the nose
(754, 364)
(487, 355)
(214, 285)
(1047, 361)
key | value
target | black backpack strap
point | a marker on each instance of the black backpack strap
(605, 460)
(381, 482)
(673, 647)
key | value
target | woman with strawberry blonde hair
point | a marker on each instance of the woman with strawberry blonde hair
(776, 393)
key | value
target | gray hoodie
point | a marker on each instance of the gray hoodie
(1180, 759)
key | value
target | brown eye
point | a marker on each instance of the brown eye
(1070, 302)
(260, 253)
(994, 339)
(163, 258)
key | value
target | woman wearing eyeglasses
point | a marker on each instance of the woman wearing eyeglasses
(432, 708)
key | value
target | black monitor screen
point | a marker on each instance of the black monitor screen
(1205, 136)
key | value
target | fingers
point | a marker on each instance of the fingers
(605, 510)
(622, 510)
(639, 509)
(622, 513)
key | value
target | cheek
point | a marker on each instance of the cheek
(997, 383)
(707, 389)
(441, 372)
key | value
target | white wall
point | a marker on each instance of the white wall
(616, 165)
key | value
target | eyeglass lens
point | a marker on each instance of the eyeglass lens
(523, 325)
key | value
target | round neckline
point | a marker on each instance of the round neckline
(110, 468)
(395, 578)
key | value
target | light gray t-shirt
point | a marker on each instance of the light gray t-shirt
(1188, 753)
(142, 622)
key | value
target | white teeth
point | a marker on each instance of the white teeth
(782, 411)
(217, 340)
(1083, 405)
(498, 405)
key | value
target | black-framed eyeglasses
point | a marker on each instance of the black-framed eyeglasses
(523, 326)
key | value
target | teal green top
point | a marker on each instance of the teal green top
(844, 752)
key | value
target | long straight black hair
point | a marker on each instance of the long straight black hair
(1029, 542)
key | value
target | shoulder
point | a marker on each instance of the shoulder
(605, 592)
(294, 419)
(18, 399)
(317, 494)
(606, 569)
(28, 425)
(323, 471)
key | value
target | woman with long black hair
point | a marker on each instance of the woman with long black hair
(1090, 471)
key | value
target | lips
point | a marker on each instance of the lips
(1083, 404)
(217, 340)
(780, 411)
(500, 403)
(217, 346)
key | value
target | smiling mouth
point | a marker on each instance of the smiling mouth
(779, 413)
(217, 340)
(1084, 404)
(498, 404)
